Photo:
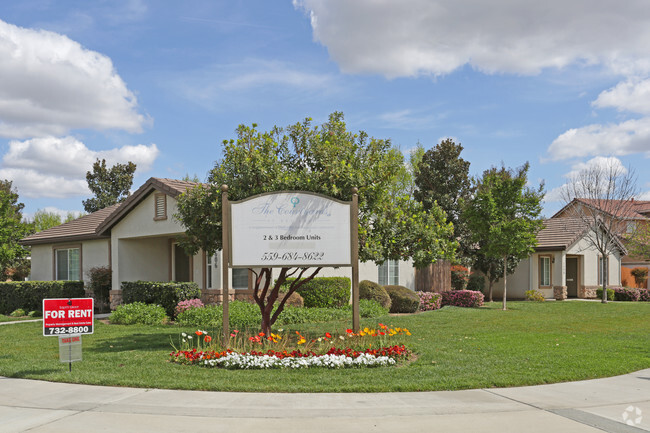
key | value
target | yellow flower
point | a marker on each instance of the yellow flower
(302, 340)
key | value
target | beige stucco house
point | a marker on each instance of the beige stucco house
(138, 238)
(563, 259)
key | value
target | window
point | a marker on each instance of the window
(389, 273)
(208, 272)
(240, 278)
(630, 227)
(544, 271)
(67, 264)
(603, 272)
(160, 207)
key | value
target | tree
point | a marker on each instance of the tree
(602, 198)
(442, 178)
(328, 160)
(110, 186)
(492, 268)
(44, 220)
(638, 243)
(503, 216)
(12, 229)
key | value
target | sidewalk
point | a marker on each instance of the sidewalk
(588, 406)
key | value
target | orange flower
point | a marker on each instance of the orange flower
(207, 339)
(199, 333)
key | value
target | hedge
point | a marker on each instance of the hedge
(403, 299)
(167, 295)
(323, 292)
(29, 295)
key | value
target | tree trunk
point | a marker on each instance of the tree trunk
(602, 273)
(490, 290)
(505, 271)
(266, 303)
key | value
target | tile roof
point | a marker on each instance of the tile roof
(560, 233)
(83, 228)
(97, 225)
(634, 209)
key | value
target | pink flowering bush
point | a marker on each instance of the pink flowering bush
(644, 295)
(462, 298)
(429, 301)
(188, 304)
(626, 294)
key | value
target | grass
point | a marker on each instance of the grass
(531, 343)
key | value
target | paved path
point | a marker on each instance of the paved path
(588, 406)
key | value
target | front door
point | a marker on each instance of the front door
(572, 276)
(181, 264)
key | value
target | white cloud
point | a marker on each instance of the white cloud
(50, 84)
(631, 95)
(559, 194)
(604, 162)
(436, 37)
(631, 136)
(56, 167)
(213, 85)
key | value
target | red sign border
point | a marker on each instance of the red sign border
(92, 318)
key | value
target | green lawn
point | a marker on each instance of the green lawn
(4, 318)
(531, 343)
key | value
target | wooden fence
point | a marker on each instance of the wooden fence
(434, 278)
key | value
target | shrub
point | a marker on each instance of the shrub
(323, 292)
(241, 315)
(244, 315)
(139, 313)
(626, 294)
(403, 300)
(370, 308)
(462, 298)
(100, 278)
(293, 315)
(18, 313)
(534, 295)
(187, 304)
(168, 295)
(644, 295)
(29, 295)
(429, 301)
(34, 314)
(295, 300)
(373, 291)
(610, 293)
(459, 277)
(476, 282)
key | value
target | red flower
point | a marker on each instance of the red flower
(328, 335)
(207, 339)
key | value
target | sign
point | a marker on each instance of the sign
(69, 348)
(290, 229)
(67, 316)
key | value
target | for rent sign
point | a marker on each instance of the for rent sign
(67, 316)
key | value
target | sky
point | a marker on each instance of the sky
(560, 84)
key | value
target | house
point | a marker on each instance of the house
(138, 240)
(629, 214)
(564, 259)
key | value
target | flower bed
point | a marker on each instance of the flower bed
(369, 347)
(334, 358)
